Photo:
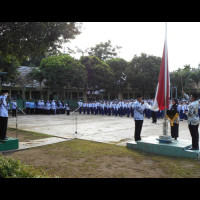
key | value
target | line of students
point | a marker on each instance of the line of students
(115, 108)
(47, 107)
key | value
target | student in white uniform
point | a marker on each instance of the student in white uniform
(3, 115)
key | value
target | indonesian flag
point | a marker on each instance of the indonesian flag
(159, 102)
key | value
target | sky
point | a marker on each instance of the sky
(183, 40)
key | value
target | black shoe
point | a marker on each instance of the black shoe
(191, 148)
(5, 138)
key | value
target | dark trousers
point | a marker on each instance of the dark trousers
(195, 135)
(181, 114)
(13, 112)
(92, 110)
(36, 111)
(3, 127)
(68, 112)
(27, 110)
(138, 128)
(174, 130)
(154, 117)
(31, 111)
(128, 112)
(88, 111)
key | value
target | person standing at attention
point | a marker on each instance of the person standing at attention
(193, 119)
(138, 107)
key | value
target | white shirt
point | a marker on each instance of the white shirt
(193, 116)
(138, 110)
(3, 106)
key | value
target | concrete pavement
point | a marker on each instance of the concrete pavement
(108, 129)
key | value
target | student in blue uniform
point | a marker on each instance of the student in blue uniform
(27, 107)
(68, 109)
(36, 107)
(88, 108)
(181, 111)
(53, 107)
(80, 104)
(31, 107)
(138, 117)
(63, 107)
(14, 107)
(84, 108)
(3, 115)
(48, 107)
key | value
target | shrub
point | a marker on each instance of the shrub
(12, 168)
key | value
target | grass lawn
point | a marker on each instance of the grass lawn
(87, 159)
(25, 136)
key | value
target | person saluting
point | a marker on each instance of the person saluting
(138, 107)
(193, 119)
(3, 116)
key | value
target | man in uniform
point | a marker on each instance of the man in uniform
(36, 107)
(193, 120)
(27, 107)
(31, 107)
(84, 108)
(14, 107)
(3, 116)
(88, 108)
(138, 107)
(53, 107)
(42, 107)
(48, 107)
(80, 104)
(39, 107)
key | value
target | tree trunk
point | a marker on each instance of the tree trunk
(84, 96)
(119, 95)
(23, 93)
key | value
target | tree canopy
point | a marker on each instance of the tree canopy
(62, 71)
(99, 74)
(142, 73)
(23, 39)
(119, 67)
(104, 51)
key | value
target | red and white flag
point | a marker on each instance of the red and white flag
(159, 102)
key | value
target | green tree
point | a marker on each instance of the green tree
(11, 69)
(193, 80)
(142, 73)
(99, 74)
(62, 72)
(119, 67)
(181, 79)
(23, 39)
(104, 51)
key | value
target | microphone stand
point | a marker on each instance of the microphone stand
(76, 122)
(16, 119)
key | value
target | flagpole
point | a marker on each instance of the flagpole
(165, 119)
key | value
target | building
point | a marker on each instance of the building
(31, 89)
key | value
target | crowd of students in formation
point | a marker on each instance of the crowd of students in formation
(42, 107)
(125, 108)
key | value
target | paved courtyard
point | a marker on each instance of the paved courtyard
(108, 129)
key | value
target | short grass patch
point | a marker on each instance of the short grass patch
(25, 136)
(87, 159)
